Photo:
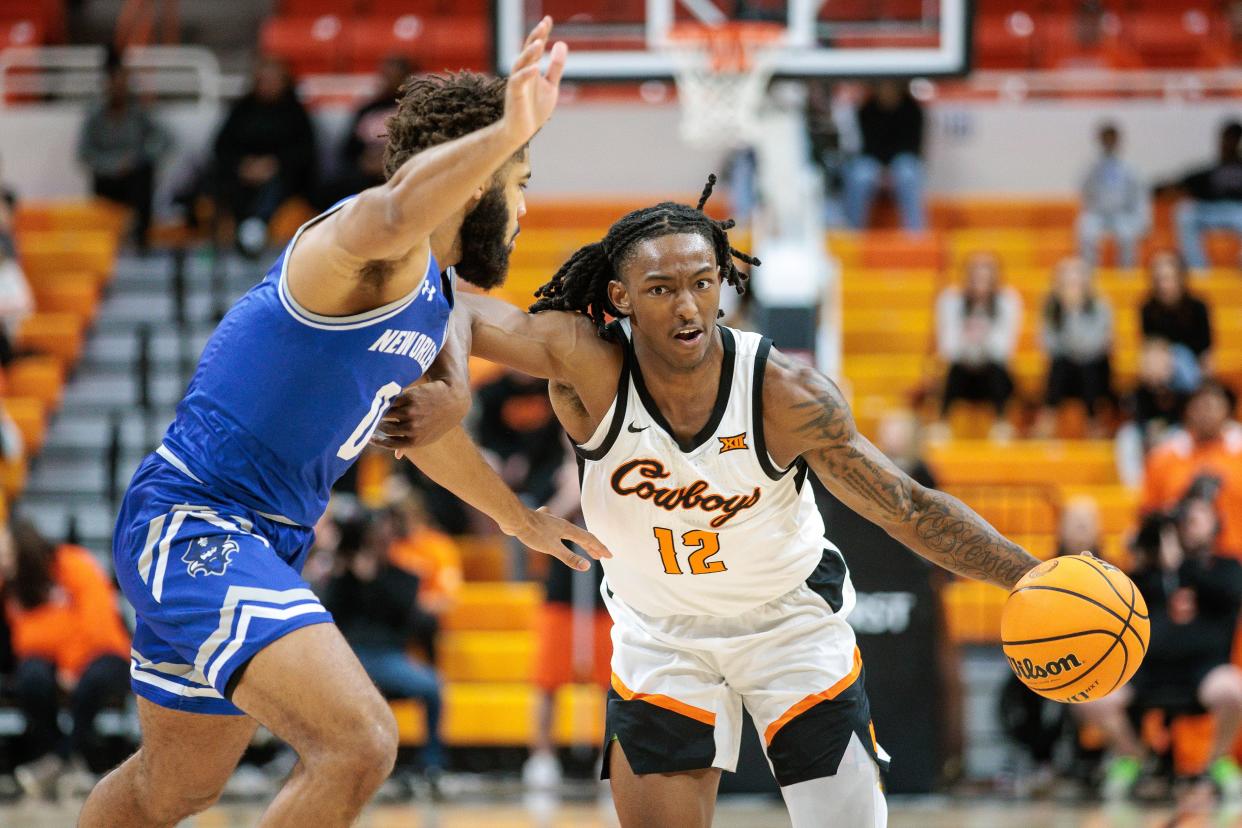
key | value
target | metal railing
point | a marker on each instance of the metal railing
(75, 73)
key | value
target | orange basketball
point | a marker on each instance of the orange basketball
(1075, 628)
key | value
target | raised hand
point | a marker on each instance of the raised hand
(530, 96)
(544, 533)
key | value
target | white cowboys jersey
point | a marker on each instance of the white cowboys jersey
(706, 527)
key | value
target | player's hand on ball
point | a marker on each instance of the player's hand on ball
(544, 533)
(530, 96)
(422, 414)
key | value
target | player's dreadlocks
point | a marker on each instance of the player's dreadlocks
(435, 109)
(581, 284)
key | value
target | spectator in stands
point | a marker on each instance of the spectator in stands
(517, 429)
(1192, 595)
(362, 153)
(899, 436)
(1077, 337)
(265, 154)
(1037, 724)
(1172, 313)
(70, 643)
(8, 215)
(891, 124)
(420, 548)
(1150, 410)
(572, 607)
(1209, 447)
(977, 327)
(119, 145)
(1213, 198)
(1114, 202)
(375, 605)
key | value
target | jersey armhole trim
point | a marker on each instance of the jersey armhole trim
(618, 415)
(341, 323)
(756, 415)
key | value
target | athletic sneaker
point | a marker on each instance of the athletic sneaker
(38, 778)
(1227, 777)
(542, 771)
(1120, 777)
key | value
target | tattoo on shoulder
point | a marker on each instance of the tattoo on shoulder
(826, 423)
(937, 525)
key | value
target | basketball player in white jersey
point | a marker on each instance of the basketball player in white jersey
(694, 442)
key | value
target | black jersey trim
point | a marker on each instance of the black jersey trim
(618, 413)
(756, 414)
(718, 408)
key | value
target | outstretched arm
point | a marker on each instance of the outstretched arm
(806, 415)
(454, 462)
(395, 219)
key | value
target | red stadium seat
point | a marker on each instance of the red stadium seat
(319, 8)
(25, 32)
(1071, 41)
(901, 9)
(1005, 41)
(308, 44)
(378, 36)
(1179, 38)
(458, 43)
(48, 15)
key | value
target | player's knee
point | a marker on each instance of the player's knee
(365, 748)
(170, 806)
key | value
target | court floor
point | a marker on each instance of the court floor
(732, 813)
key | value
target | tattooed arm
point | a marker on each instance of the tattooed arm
(806, 416)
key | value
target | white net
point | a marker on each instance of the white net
(722, 80)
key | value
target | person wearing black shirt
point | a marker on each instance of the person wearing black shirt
(362, 153)
(891, 123)
(375, 605)
(265, 153)
(1213, 198)
(1193, 595)
(1172, 313)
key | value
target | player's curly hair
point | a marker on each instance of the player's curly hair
(435, 109)
(581, 285)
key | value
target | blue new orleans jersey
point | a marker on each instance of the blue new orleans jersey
(284, 400)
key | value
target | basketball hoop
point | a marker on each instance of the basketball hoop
(722, 75)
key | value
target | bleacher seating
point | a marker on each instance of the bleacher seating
(67, 250)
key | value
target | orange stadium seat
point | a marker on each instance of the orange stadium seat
(487, 655)
(48, 14)
(29, 415)
(76, 293)
(56, 251)
(20, 32)
(501, 605)
(57, 334)
(70, 214)
(12, 477)
(1005, 41)
(307, 44)
(379, 35)
(315, 8)
(1175, 38)
(40, 377)
(1064, 43)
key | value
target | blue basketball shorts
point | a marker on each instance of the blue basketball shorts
(212, 583)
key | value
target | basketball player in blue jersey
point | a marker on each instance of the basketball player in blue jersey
(215, 526)
(694, 442)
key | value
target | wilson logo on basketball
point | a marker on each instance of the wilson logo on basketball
(1029, 670)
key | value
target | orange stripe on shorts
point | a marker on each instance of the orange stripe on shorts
(707, 717)
(814, 699)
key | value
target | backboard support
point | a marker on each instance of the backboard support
(621, 40)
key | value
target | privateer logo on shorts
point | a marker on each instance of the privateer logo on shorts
(209, 557)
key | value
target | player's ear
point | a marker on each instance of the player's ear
(619, 297)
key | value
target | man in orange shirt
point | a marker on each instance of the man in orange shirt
(1210, 446)
(67, 635)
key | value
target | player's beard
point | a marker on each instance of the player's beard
(484, 248)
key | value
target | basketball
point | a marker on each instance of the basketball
(1075, 628)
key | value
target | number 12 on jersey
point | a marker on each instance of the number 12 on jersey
(707, 543)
